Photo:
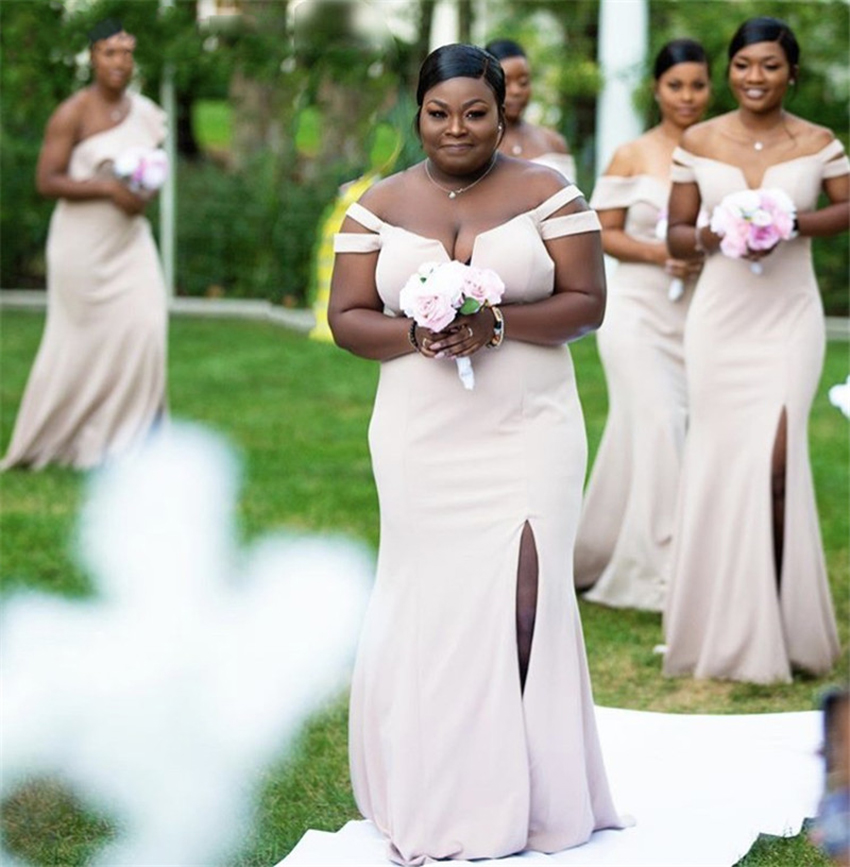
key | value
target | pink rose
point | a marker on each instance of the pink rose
(484, 285)
(752, 220)
(431, 302)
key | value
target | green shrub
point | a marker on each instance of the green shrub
(248, 234)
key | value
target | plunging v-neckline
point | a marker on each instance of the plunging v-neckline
(445, 249)
(536, 214)
(767, 169)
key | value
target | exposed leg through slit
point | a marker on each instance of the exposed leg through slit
(778, 472)
(526, 599)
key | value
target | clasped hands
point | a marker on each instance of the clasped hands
(465, 335)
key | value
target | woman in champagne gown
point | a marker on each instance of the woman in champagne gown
(472, 731)
(749, 598)
(521, 138)
(624, 538)
(98, 381)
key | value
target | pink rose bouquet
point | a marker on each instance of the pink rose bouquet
(144, 170)
(438, 291)
(752, 220)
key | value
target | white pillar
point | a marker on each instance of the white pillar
(445, 27)
(623, 38)
(168, 196)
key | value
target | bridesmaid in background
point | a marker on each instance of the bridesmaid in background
(523, 139)
(98, 381)
(749, 598)
(624, 538)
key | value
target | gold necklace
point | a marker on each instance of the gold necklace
(453, 194)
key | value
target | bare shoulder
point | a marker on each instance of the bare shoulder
(554, 141)
(811, 136)
(701, 139)
(67, 118)
(627, 159)
(383, 195)
(534, 184)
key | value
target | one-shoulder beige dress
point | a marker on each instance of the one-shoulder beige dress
(98, 381)
(449, 758)
(754, 347)
(626, 530)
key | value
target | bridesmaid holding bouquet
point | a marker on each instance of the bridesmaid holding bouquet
(98, 381)
(523, 139)
(625, 535)
(749, 598)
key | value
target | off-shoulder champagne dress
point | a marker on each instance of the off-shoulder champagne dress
(754, 346)
(564, 164)
(626, 530)
(98, 381)
(449, 758)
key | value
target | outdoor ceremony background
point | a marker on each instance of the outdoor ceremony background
(280, 104)
(276, 127)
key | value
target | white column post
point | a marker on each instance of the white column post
(167, 196)
(623, 38)
(446, 24)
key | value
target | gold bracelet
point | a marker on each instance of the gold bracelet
(498, 329)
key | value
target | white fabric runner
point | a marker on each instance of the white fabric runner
(700, 788)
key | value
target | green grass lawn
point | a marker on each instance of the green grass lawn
(212, 123)
(298, 412)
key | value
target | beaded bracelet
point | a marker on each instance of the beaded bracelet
(498, 329)
(411, 336)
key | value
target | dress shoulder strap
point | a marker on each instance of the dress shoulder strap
(682, 171)
(618, 191)
(835, 162)
(563, 197)
(571, 224)
(356, 242)
(364, 216)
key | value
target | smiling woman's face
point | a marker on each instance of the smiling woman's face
(759, 75)
(112, 60)
(459, 125)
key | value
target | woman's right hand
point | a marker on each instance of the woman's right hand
(684, 269)
(124, 198)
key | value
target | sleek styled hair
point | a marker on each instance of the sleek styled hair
(679, 51)
(766, 29)
(104, 29)
(502, 49)
(460, 61)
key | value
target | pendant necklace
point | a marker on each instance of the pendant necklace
(760, 144)
(453, 194)
(118, 113)
(516, 150)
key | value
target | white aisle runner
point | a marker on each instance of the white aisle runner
(700, 789)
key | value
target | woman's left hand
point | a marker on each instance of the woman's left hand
(465, 336)
(757, 255)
